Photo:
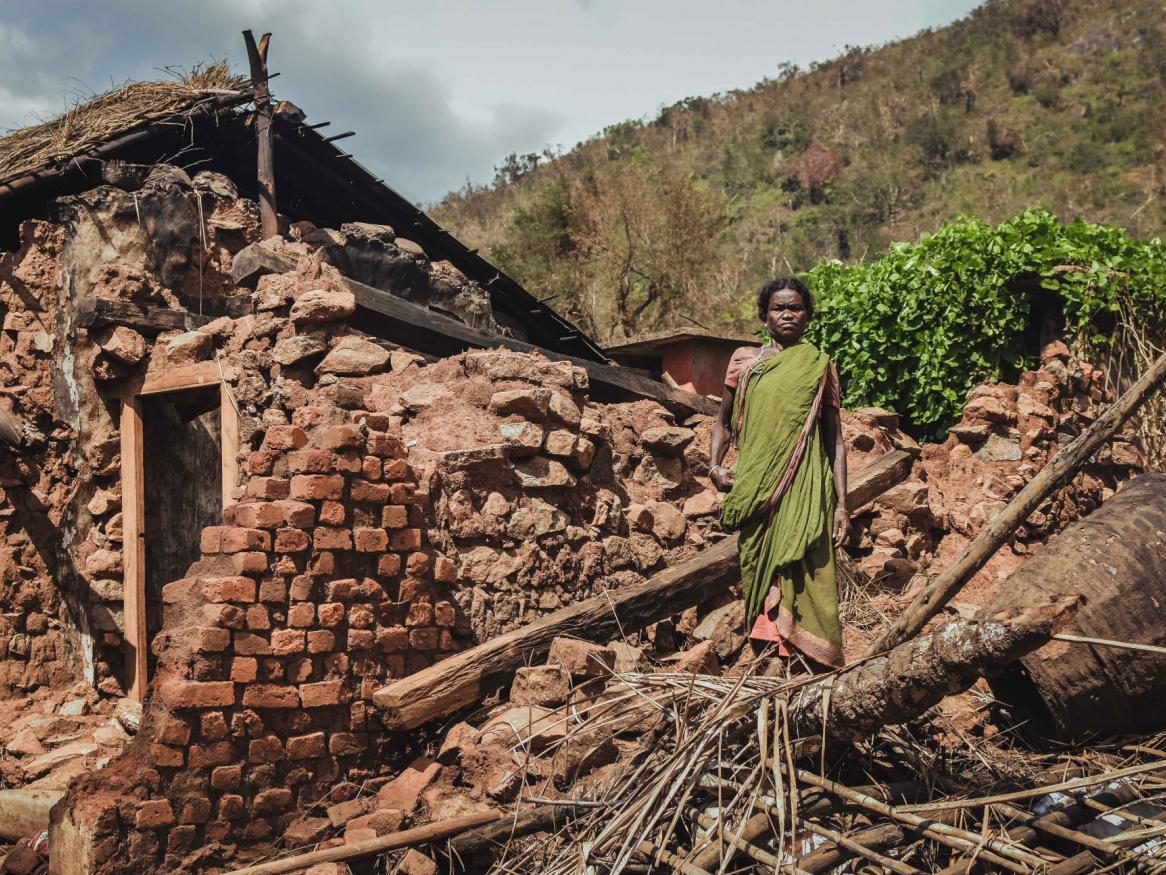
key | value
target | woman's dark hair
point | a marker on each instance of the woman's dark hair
(785, 282)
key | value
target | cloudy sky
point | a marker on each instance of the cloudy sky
(438, 92)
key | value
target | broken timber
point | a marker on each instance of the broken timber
(467, 677)
(99, 312)
(429, 331)
(1064, 465)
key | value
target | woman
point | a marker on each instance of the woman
(787, 494)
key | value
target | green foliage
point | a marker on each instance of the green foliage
(916, 330)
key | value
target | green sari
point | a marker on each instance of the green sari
(782, 502)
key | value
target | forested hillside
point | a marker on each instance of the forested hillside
(677, 217)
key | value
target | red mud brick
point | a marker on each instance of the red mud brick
(285, 437)
(227, 616)
(331, 614)
(384, 445)
(344, 590)
(301, 587)
(417, 564)
(405, 539)
(425, 638)
(154, 814)
(361, 639)
(401, 493)
(395, 517)
(362, 490)
(249, 644)
(198, 694)
(371, 540)
(403, 791)
(216, 830)
(166, 757)
(195, 809)
(301, 615)
(310, 462)
(285, 642)
(250, 562)
(323, 562)
(285, 564)
(272, 591)
(236, 539)
(172, 730)
(202, 756)
(348, 462)
(271, 669)
(420, 614)
(179, 591)
(413, 589)
(306, 747)
(291, 541)
(244, 669)
(210, 539)
(228, 589)
(259, 515)
(261, 462)
(322, 694)
(397, 469)
(212, 726)
(210, 639)
(331, 539)
(370, 468)
(272, 800)
(298, 514)
(444, 613)
(395, 639)
(389, 565)
(360, 617)
(258, 618)
(268, 749)
(227, 777)
(333, 513)
(232, 807)
(316, 487)
(321, 641)
(356, 835)
(336, 437)
(270, 488)
(270, 696)
(299, 670)
(347, 743)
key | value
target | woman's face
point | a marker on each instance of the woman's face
(787, 317)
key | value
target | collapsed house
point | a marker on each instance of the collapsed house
(252, 483)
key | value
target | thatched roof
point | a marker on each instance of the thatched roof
(110, 115)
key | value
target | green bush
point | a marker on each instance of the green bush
(916, 330)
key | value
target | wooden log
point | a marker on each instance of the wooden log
(420, 835)
(1056, 473)
(874, 479)
(264, 111)
(136, 640)
(831, 855)
(897, 686)
(380, 312)
(473, 848)
(467, 677)
(144, 318)
(25, 812)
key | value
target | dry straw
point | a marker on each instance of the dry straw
(96, 121)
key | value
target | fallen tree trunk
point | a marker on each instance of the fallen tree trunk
(1056, 473)
(469, 676)
(900, 685)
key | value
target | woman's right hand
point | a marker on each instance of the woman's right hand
(722, 478)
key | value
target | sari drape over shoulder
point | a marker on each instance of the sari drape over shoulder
(782, 502)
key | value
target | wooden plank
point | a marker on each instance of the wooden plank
(992, 537)
(467, 677)
(430, 331)
(135, 636)
(196, 376)
(144, 318)
(876, 478)
(229, 435)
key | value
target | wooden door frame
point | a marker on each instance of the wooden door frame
(204, 374)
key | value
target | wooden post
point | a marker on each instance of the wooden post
(264, 113)
(229, 434)
(1064, 465)
(135, 638)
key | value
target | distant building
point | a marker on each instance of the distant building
(695, 360)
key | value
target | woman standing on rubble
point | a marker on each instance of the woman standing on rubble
(787, 492)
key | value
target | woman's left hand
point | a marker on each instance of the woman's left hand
(841, 526)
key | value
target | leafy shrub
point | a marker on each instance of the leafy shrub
(918, 329)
